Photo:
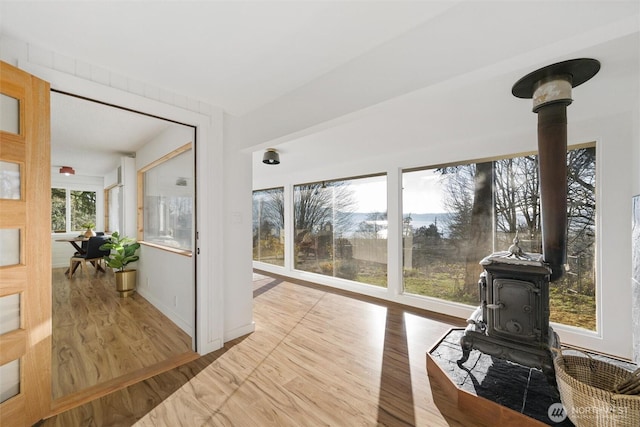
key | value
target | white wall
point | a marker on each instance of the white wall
(237, 236)
(174, 137)
(167, 279)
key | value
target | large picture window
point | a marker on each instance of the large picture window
(455, 215)
(268, 226)
(341, 229)
(168, 201)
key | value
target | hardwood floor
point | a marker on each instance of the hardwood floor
(101, 340)
(317, 357)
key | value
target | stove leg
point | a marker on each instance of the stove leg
(466, 345)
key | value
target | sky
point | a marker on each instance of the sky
(421, 193)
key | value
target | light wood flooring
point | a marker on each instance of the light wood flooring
(101, 340)
(318, 357)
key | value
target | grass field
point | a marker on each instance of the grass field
(446, 281)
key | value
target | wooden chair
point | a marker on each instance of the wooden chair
(93, 254)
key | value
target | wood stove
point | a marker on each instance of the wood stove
(512, 321)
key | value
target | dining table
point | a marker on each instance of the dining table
(74, 242)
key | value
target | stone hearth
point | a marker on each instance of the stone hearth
(496, 391)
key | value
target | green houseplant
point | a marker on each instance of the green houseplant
(123, 252)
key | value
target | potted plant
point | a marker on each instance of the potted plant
(89, 226)
(123, 251)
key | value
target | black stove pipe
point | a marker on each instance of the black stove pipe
(550, 88)
(552, 167)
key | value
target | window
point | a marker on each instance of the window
(83, 208)
(341, 229)
(10, 186)
(455, 215)
(268, 226)
(72, 208)
(169, 200)
(58, 210)
(113, 200)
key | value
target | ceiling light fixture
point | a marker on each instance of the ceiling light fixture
(271, 157)
(67, 170)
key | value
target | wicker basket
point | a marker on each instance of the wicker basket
(585, 386)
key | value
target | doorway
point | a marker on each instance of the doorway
(100, 341)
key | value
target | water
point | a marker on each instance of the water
(417, 221)
(426, 219)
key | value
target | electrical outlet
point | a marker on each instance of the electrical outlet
(147, 282)
(175, 300)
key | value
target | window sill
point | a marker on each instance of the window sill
(183, 252)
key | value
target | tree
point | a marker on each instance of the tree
(514, 201)
(581, 194)
(370, 227)
(458, 200)
(273, 208)
(581, 214)
(469, 197)
(58, 209)
(268, 214)
(480, 243)
(517, 201)
(426, 245)
(83, 208)
(317, 204)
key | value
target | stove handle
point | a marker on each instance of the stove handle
(482, 288)
(497, 306)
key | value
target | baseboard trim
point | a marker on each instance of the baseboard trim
(91, 393)
(238, 332)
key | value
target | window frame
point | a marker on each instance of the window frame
(596, 259)
(259, 220)
(141, 195)
(334, 276)
(68, 187)
(612, 327)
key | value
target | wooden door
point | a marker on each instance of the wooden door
(25, 248)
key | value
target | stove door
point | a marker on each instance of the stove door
(514, 312)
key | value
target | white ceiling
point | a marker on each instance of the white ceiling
(468, 110)
(362, 73)
(238, 55)
(91, 137)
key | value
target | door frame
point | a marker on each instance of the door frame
(92, 392)
(208, 155)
